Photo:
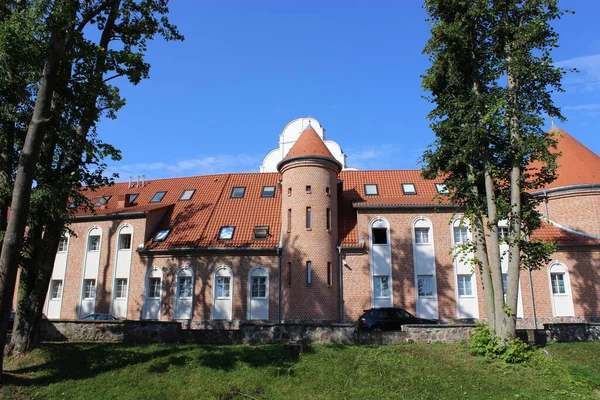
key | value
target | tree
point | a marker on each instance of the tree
(491, 80)
(71, 154)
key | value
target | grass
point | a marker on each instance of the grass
(123, 371)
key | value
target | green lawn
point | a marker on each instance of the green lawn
(120, 371)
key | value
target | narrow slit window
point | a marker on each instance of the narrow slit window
(289, 220)
(308, 189)
(327, 191)
(308, 218)
(309, 272)
(289, 191)
(328, 216)
(289, 274)
(328, 273)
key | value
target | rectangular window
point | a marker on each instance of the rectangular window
(461, 235)
(409, 188)
(121, 288)
(309, 272)
(502, 232)
(89, 288)
(56, 289)
(308, 218)
(63, 244)
(226, 232)
(132, 198)
(371, 190)
(125, 241)
(327, 191)
(158, 196)
(328, 273)
(379, 235)
(504, 283)
(102, 200)
(93, 243)
(425, 285)
(185, 287)
(308, 189)
(328, 217)
(223, 287)
(382, 286)
(261, 232)
(422, 235)
(558, 283)
(289, 275)
(289, 192)
(187, 194)
(155, 288)
(238, 192)
(441, 188)
(464, 285)
(259, 287)
(268, 191)
(162, 235)
(289, 220)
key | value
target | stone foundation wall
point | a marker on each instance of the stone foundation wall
(253, 333)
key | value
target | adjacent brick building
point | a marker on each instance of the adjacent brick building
(314, 240)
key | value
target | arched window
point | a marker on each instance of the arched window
(424, 263)
(381, 263)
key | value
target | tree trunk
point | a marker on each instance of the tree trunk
(13, 239)
(33, 288)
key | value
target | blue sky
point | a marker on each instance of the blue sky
(218, 101)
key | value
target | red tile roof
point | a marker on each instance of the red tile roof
(551, 233)
(577, 165)
(309, 144)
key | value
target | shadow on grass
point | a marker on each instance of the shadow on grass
(77, 361)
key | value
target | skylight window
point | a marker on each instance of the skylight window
(226, 232)
(441, 188)
(238, 192)
(261, 232)
(158, 196)
(371, 190)
(132, 197)
(268, 191)
(187, 194)
(102, 200)
(409, 188)
(162, 235)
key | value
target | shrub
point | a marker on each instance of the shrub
(484, 343)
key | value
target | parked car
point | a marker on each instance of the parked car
(101, 317)
(389, 318)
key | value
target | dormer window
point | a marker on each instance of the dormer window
(238, 192)
(441, 188)
(187, 194)
(261, 232)
(371, 190)
(162, 235)
(226, 232)
(409, 188)
(132, 197)
(268, 191)
(102, 200)
(158, 196)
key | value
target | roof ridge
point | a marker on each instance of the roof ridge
(573, 231)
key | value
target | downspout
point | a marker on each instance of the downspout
(279, 285)
(546, 204)
(532, 299)
(340, 285)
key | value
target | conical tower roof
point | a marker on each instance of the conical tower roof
(577, 165)
(308, 145)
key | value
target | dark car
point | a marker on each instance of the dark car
(101, 317)
(389, 318)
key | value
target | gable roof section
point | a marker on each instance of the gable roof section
(551, 233)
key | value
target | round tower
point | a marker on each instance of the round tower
(309, 207)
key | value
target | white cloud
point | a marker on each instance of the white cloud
(384, 156)
(223, 163)
(588, 77)
(583, 107)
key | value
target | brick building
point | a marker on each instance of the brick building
(309, 239)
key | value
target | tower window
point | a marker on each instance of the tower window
(328, 273)
(328, 216)
(309, 272)
(308, 189)
(308, 218)
(289, 191)
(289, 220)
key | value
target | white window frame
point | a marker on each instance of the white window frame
(97, 242)
(409, 188)
(56, 289)
(89, 289)
(382, 289)
(154, 291)
(122, 242)
(185, 291)
(431, 281)
(463, 280)
(187, 195)
(422, 236)
(63, 244)
(223, 284)
(120, 289)
(371, 189)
